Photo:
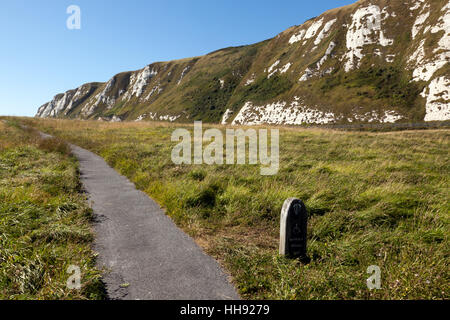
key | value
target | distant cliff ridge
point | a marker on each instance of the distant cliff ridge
(373, 61)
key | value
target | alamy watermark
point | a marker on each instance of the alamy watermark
(74, 281)
(374, 281)
(230, 150)
(74, 20)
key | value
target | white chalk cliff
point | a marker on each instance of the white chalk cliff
(373, 61)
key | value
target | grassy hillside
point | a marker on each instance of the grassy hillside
(373, 199)
(44, 220)
(354, 63)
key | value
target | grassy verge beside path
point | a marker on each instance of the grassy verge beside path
(44, 220)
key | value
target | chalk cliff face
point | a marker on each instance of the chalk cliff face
(373, 61)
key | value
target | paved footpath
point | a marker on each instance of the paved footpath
(147, 256)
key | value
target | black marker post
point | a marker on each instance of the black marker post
(293, 229)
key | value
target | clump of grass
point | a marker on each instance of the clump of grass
(198, 175)
(54, 145)
(61, 234)
(206, 197)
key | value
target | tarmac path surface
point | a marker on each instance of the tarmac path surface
(147, 257)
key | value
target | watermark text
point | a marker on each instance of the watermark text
(230, 150)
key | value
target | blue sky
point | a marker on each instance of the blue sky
(40, 56)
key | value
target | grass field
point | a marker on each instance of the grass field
(44, 220)
(373, 199)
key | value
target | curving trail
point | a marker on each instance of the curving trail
(147, 256)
